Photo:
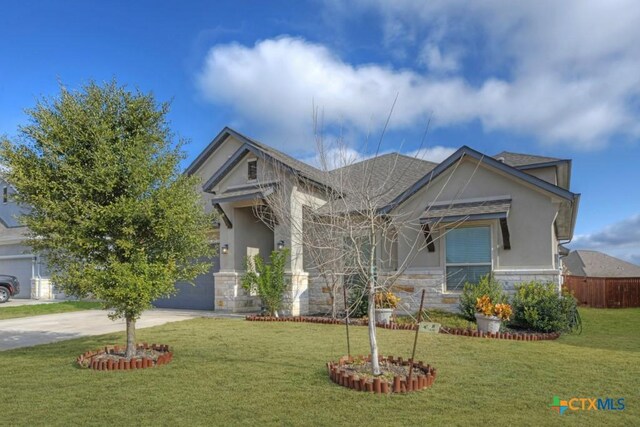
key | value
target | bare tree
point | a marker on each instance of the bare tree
(344, 231)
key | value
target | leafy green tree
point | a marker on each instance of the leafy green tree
(108, 206)
(267, 280)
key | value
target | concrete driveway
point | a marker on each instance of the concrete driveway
(29, 331)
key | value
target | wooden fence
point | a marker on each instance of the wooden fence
(604, 292)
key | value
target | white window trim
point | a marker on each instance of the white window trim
(252, 159)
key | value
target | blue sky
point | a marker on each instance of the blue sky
(560, 79)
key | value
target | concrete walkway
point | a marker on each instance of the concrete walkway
(30, 331)
(16, 302)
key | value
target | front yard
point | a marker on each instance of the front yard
(228, 372)
(8, 312)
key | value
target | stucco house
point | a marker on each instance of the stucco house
(506, 214)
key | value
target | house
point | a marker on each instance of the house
(597, 264)
(507, 214)
(602, 281)
(17, 259)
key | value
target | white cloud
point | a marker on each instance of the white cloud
(437, 61)
(434, 154)
(620, 239)
(568, 73)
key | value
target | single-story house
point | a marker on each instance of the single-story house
(587, 263)
(506, 214)
(599, 280)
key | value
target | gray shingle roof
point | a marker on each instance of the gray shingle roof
(598, 264)
(382, 178)
(519, 159)
(468, 209)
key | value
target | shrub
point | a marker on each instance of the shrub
(358, 298)
(266, 280)
(471, 292)
(539, 306)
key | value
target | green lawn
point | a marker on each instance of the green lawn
(38, 309)
(231, 372)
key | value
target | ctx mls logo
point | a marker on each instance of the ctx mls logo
(587, 404)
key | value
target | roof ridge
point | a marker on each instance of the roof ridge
(392, 153)
(525, 154)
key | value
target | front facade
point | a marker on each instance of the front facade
(505, 215)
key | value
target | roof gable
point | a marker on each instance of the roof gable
(489, 161)
(260, 150)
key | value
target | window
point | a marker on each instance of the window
(5, 194)
(252, 170)
(468, 255)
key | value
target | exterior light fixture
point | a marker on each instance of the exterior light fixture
(281, 245)
(225, 249)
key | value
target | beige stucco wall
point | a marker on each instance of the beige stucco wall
(530, 219)
(217, 159)
(250, 232)
(548, 174)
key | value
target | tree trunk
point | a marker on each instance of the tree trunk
(131, 338)
(375, 365)
(373, 342)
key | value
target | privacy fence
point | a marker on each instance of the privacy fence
(604, 292)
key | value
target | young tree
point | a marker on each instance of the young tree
(108, 206)
(345, 232)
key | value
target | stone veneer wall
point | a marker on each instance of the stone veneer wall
(229, 295)
(319, 296)
(409, 287)
(232, 298)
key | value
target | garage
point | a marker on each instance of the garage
(198, 297)
(21, 267)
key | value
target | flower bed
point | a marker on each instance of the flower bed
(111, 358)
(467, 332)
(354, 373)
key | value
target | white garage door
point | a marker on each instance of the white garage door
(21, 268)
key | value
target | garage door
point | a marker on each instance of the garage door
(21, 268)
(198, 297)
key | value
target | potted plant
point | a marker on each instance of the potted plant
(489, 316)
(386, 302)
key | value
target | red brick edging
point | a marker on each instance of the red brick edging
(516, 336)
(89, 359)
(340, 376)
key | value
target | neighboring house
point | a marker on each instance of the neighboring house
(16, 259)
(506, 214)
(597, 264)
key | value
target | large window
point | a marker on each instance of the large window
(468, 256)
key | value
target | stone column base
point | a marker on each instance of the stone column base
(296, 297)
(41, 288)
(229, 295)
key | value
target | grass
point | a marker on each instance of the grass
(233, 372)
(39, 309)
